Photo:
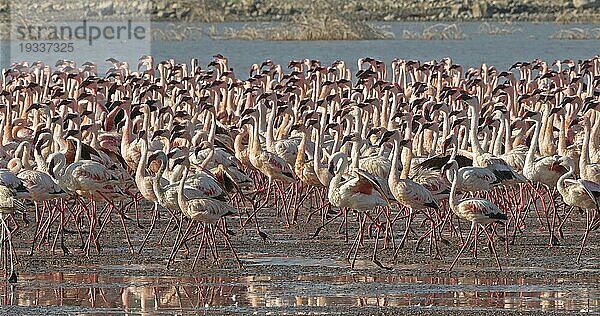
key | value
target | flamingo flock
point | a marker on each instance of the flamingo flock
(398, 147)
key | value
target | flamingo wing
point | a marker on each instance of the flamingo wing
(592, 189)
(516, 157)
(208, 210)
(277, 163)
(482, 209)
(9, 201)
(366, 181)
(10, 180)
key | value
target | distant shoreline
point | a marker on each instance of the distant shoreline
(574, 11)
(331, 20)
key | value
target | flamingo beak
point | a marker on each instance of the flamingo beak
(331, 168)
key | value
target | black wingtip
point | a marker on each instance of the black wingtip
(228, 213)
(504, 175)
(21, 189)
(432, 204)
(13, 278)
(445, 191)
(498, 216)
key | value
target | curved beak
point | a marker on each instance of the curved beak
(331, 168)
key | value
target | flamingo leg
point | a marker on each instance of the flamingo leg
(409, 220)
(491, 240)
(318, 230)
(553, 241)
(462, 249)
(375, 260)
(359, 238)
(199, 249)
(154, 217)
(13, 274)
(228, 243)
(174, 250)
(588, 227)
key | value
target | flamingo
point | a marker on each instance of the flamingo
(503, 171)
(143, 182)
(480, 212)
(166, 193)
(473, 179)
(85, 178)
(207, 211)
(357, 191)
(589, 171)
(408, 193)
(9, 204)
(546, 169)
(10, 180)
(584, 194)
(269, 164)
(42, 188)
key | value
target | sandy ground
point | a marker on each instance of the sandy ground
(293, 273)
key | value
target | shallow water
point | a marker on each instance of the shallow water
(112, 290)
(525, 41)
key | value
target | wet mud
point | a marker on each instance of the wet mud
(292, 273)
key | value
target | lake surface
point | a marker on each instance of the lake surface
(520, 41)
(527, 42)
(114, 292)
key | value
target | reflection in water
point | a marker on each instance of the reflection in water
(149, 295)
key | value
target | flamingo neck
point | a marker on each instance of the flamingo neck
(127, 135)
(595, 131)
(142, 164)
(507, 134)
(269, 134)
(156, 185)
(560, 184)
(58, 170)
(452, 199)
(584, 157)
(255, 143)
(180, 197)
(8, 125)
(77, 149)
(499, 135)
(37, 154)
(208, 158)
(211, 131)
(25, 156)
(301, 149)
(238, 146)
(342, 169)
(355, 154)
(475, 145)
(393, 176)
(534, 144)
(562, 137)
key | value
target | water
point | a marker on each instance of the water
(112, 291)
(527, 42)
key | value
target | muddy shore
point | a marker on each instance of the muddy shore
(285, 10)
(291, 264)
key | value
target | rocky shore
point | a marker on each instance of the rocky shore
(300, 19)
(286, 10)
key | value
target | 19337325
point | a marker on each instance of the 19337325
(47, 47)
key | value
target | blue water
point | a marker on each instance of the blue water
(529, 41)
